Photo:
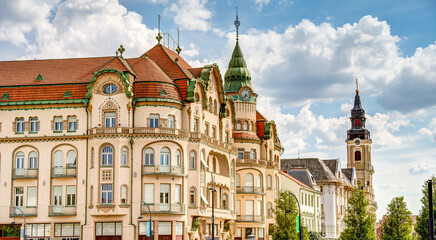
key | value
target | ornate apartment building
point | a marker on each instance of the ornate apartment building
(91, 146)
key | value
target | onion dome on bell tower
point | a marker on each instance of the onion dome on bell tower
(237, 74)
(358, 120)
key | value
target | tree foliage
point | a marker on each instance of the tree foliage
(397, 224)
(422, 220)
(315, 236)
(285, 222)
(360, 222)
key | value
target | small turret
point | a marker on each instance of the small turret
(358, 119)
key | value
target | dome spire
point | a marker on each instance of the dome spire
(237, 24)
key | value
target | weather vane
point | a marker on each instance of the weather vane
(237, 24)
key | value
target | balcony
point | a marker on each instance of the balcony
(61, 172)
(250, 190)
(250, 218)
(161, 208)
(62, 210)
(163, 170)
(250, 162)
(28, 211)
(18, 173)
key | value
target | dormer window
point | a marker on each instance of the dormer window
(110, 89)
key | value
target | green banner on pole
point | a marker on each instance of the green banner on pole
(298, 224)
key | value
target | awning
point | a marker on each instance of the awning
(204, 199)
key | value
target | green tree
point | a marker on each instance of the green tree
(398, 224)
(360, 222)
(315, 236)
(285, 221)
(422, 220)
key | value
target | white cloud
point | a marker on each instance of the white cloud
(346, 107)
(430, 130)
(192, 51)
(261, 3)
(422, 167)
(383, 128)
(191, 14)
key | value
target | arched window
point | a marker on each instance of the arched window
(123, 156)
(214, 107)
(238, 180)
(123, 195)
(210, 104)
(357, 122)
(224, 199)
(248, 180)
(192, 196)
(357, 156)
(165, 157)
(19, 160)
(149, 157)
(71, 159)
(59, 161)
(259, 181)
(33, 160)
(238, 126)
(245, 126)
(268, 182)
(107, 155)
(250, 126)
(192, 160)
(178, 158)
(269, 207)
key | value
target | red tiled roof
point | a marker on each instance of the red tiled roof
(196, 72)
(153, 90)
(260, 124)
(162, 58)
(40, 93)
(181, 62)
(183, 87)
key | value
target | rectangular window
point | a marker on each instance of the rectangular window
(106, 193)
(38, 230)
(19, 195)
(149, 193)
(72, 124)
(108, 229)
(192, 197)
(67, 229)
(240, 153)
(177, 193)
(144, 228)
(154, 120)
(206, 129)
(164, 194)
(58, 124)
(34, 125)
(71, 195)
(109, 119)
(170, 121)
(179, 228)
(31, 196)
(214, 132)
(124, 156)
(252, 154)
(33, 161)
(260, 232)
(164, 229)
(20, 125)
(57, 196)
(123, 195)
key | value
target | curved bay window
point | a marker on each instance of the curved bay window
(357, 156)
(107, 155)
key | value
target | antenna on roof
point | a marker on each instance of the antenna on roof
(158, 37)
(237, 24)
(178, 49)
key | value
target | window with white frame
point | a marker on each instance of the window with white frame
(192, 196)
(19, 196)
(106, 193)
(245, 126)
(224, 199)
(240, 153)
(72, 123)
(34, 125)
(71, 195)
(171, 121)
(71, 159)
(58, 124)
(35, 230)
(165, 157)
(123, 195)
(177, 192)
(154, 120)
(124, 156)
(192, 160)
(33, 160)
(268, 182)
(107, 155)
(149, 157)
(178, 158)
(57, 198)
(252, 153)
(110, 119)
(19, 160)
(20, 125)
(149, 193)
(238, 126)
(67, 229)
(31, 196)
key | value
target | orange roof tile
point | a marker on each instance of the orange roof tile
(196, 72)
(153, 90)
(40, 93)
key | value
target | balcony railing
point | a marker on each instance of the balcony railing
(62, 210)
(162, 170)
(247, 161)
(162, 208)
(24, 173)
(250, 218)
(28, 211)
(250, 190)
(59, 172)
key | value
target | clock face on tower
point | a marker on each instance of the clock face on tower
(357, 142)
(246, 94)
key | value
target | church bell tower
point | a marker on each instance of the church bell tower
(359, 149)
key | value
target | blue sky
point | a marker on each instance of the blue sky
(303, 57)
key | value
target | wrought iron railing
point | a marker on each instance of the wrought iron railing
(250, 218)
(54, 210)
(162, 170)
(161, 208)
(250, 190)
(57, 172)
(28, 211)
(24, 173)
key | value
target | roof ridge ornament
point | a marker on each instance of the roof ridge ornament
(159, 36)
(120, 50)
(39, 77)
(178, 49)
(67, 94)
(237, 24)
(5, 96)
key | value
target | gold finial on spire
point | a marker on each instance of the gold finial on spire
(178, 49)
(121, 50)
(237, 24)
(357, 86)
(159, 36)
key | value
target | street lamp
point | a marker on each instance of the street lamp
(151, 229)
(24, 218)
(213, 205)
(299, 213)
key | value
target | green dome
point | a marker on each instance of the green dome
(237, 74)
